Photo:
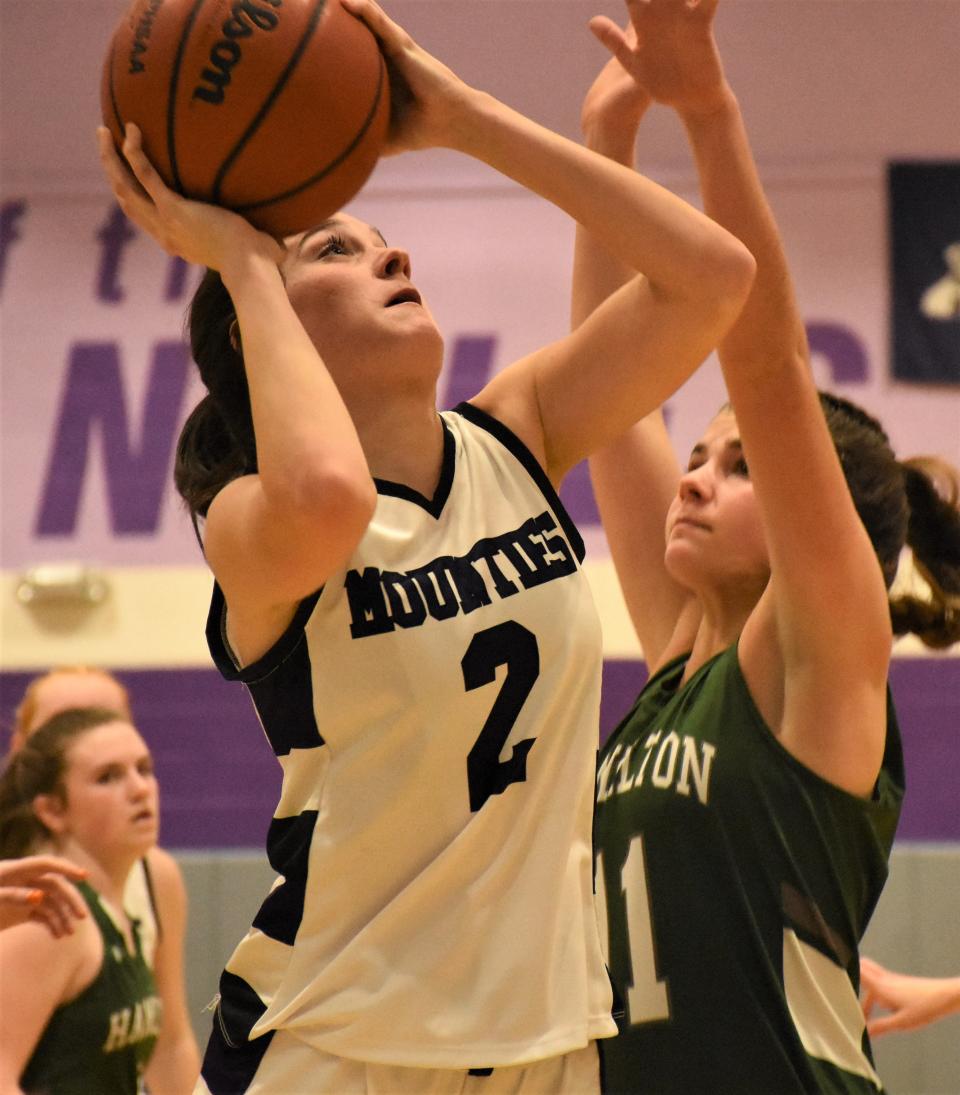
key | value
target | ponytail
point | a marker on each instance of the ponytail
(208, 457)
(933, 534)
(910, 503)
(21, 831)
(217, 442)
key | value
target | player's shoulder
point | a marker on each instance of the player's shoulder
(163, 867)
(510, 399)
(166, 884)
(65, 964)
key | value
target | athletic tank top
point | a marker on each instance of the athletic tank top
(100, 1042)
(139, 905)
(434, 709)
(734, 885)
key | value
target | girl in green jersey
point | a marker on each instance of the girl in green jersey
(747, 803)
(79, 1014)
(155, 894)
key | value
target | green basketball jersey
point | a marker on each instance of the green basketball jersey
(734, 885)
(99, 1043)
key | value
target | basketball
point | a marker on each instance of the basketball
(276, 109)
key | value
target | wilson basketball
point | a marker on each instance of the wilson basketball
(276, 109)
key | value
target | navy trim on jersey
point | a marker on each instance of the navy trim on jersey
(281, 649)
(510, 441)
(284, 701)
(433, 506)
(231, 1061)
(229, 1070)
(288, 851)
(280, 683)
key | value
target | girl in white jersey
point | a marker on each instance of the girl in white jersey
(402, 593)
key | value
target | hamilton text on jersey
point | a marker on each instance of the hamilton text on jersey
(131, 1025)
(671, 760)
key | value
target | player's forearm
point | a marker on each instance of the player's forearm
(174, 1067)
(947, 997)
(301, 424)
(597, 273)
(642, 225)
(769, 327)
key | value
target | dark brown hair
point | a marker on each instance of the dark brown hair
(38, 767)
(912, 503)
(217, 442)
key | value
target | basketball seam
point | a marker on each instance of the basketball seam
(267, 106)
(113, 92)
(172, 97)
(361, 133)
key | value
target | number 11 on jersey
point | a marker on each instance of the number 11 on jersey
(646, 997)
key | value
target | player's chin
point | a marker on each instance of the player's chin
(144, 831)
(683, 561)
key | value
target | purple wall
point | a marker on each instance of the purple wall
(220, 781)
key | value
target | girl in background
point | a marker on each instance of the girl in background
(154, 895)
(79, 1014)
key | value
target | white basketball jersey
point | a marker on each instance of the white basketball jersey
(435, 712)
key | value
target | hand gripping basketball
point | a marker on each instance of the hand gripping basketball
(276, 109)
(428, 99)
(197, 232)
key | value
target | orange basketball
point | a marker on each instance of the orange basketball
(276, 109)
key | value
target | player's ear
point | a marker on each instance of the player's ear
(50, 811)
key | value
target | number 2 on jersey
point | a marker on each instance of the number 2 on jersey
(646, 996)
(512, 645)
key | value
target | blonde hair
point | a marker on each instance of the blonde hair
(25, 714)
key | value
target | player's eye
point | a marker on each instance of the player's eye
(333, 245)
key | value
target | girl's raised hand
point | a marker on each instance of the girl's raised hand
(195, 231)
(616, 101)
(670, 51)
(429, 101)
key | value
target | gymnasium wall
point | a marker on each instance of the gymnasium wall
(96, 381)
